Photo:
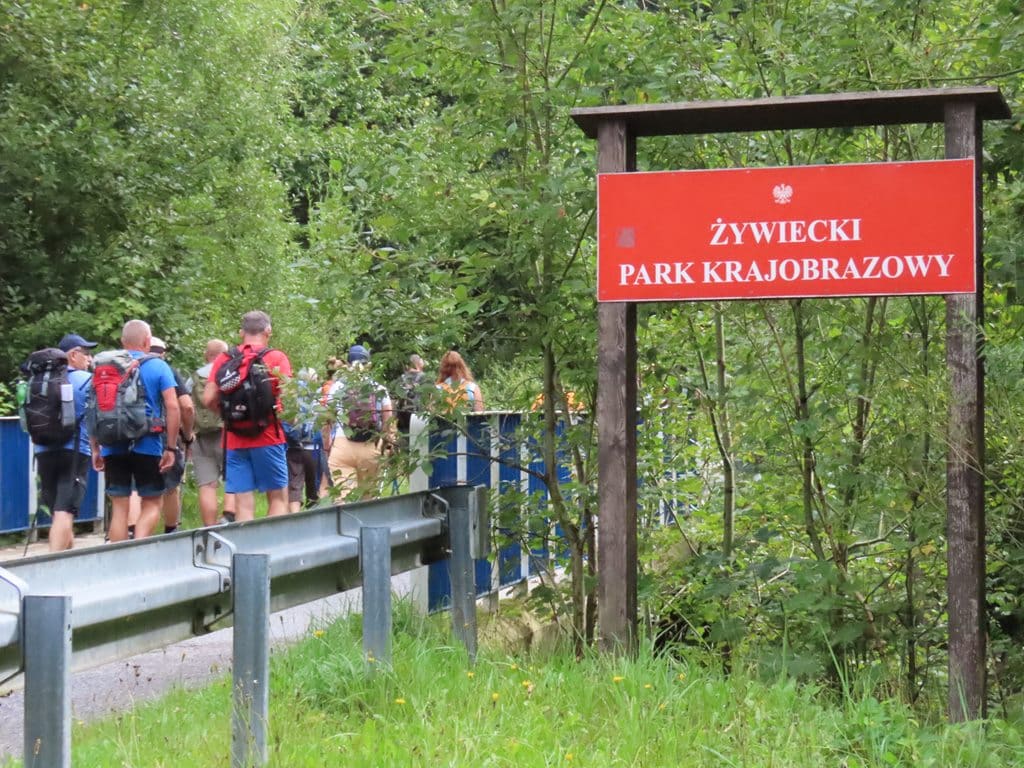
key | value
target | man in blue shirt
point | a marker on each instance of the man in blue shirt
(64, 469)
(140, 464)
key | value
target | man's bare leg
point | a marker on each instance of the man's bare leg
(62, 532)
(118, 518)
(208, 503)
(134, 510)
(149, 516)
(277, 502)
(171, 508)
(245, 506)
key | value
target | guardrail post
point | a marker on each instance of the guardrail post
(462, 569)
(375, 558)
(46, 619)
(251, 659)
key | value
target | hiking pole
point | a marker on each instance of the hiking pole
(33, 512)
(31, 532)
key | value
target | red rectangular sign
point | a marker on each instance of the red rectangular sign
(826, 230)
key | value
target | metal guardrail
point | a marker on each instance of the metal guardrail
(122, 599)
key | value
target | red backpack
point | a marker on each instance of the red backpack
(117, 400)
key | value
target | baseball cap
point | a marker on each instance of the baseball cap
(358, 354)
(157, 345)
(72, 340)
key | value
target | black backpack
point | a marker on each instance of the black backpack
(247, 401)
(409, 390)
(48, 417)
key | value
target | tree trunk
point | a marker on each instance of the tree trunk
(803, 413)
(724, 439)
(549, 451)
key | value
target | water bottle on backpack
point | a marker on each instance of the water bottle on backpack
(67, 405)
(21, 395)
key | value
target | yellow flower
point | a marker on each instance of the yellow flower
(568, 757)
(494, 696)
(648, 686)
(661, 706)
(471, 674)
(526, 684)
(618, 679)
(399, 701)
(515, 667)
(682, 676)
(318, 633)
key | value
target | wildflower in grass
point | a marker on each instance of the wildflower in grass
(568, 757)
(318, 633)
(515, 667)
(370, 659)
(618, 679)
(681, 677)
(661, 706)
(399, 701)
(494, 697)
(471, 675)
(648, 686)
(528, 686)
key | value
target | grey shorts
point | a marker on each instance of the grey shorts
(207, 457)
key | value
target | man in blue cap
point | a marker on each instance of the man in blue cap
(64, 469)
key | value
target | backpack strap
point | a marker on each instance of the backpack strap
(158, 422)
(237, 351)
(273, 411)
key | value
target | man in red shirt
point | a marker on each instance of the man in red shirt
(255, 462)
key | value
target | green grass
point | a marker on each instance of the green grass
(432, 708)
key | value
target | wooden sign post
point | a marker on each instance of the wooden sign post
(826, 254)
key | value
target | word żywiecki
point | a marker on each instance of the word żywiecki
(791, 231)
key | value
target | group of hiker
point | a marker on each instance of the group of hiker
(243, 416)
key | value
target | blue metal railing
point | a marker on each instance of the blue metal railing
(498, 450)
(18, 483)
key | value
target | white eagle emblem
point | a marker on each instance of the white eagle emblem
(783, 193)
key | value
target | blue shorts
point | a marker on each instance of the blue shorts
(256, 469)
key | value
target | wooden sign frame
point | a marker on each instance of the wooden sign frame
(962, 111)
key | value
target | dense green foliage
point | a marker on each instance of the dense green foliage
(406, 174)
